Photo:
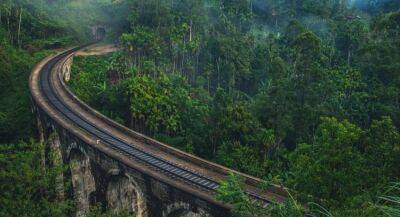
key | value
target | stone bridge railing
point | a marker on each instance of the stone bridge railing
(104, 175)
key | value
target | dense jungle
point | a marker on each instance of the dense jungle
(303, 94)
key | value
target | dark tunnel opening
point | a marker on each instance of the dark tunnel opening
(100, 33)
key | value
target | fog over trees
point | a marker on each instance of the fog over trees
(303, 94)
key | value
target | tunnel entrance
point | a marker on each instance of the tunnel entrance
(98, 32)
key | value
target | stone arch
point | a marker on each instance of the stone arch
(73, 147)
(125, 195)
(48, 130)
(83, 182)
(182, 209)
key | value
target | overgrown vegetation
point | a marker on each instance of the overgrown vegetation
(232, 192)
(30, 31)
(301, 92)
(389, 203)
(27, 187)
(304, 92)
(26, 35)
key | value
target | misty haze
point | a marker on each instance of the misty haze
(200, 108)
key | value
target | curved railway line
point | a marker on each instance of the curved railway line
(50, 92)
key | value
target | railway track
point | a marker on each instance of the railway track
(168, 168)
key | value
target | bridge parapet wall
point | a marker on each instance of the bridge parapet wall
(99, 179)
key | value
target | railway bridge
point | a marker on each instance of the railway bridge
(118, 168)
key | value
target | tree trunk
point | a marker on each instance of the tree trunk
(8, 25)
(132, 123)
(190, 30)
(348, 56)
(208, 84)
(19, 28)
(218, 61)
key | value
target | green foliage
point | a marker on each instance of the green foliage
(90, 81)
(28, 189)
(26, 35)
(241, 157)
(305, 91)
(340, 163)
(390, 205)
(154, 102)
(142, 42)
(28, 31)
(16, 115)
(232, 191)
(96, 211)
(332, 162)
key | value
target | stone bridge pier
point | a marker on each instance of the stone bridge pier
(96, 179)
